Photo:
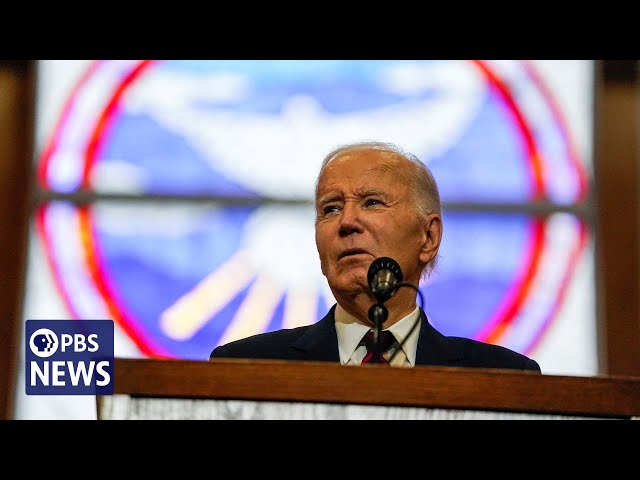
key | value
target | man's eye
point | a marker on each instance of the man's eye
(330, 209)
(372, 201)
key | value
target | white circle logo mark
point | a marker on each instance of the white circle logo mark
(43, 343)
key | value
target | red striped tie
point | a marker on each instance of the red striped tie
(386, 340)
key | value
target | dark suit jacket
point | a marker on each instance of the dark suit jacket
(319, 342)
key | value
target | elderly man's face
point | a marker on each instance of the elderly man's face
(364, 210)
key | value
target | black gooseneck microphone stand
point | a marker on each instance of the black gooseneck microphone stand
(385, 278)
(378, 313)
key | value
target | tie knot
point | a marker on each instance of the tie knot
(386, 340)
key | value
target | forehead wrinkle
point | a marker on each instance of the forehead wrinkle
(367, 191)
(389, 165)
(392, 167)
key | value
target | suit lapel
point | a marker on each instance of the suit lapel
(320, 341)
(433, 347)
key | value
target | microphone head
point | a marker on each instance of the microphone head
(384, 273)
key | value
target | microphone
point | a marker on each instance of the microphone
(384, 274)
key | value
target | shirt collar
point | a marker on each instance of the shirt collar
(350, 332)
(402, 330)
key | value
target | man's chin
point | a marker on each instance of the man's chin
(350, 288)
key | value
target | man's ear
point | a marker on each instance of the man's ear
(433, 235)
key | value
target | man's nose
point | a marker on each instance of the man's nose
(350, 220)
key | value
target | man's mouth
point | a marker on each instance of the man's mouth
(349, 252)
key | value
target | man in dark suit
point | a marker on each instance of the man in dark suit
(374, 200)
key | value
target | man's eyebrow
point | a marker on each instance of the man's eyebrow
(331, 197)
(363, 193)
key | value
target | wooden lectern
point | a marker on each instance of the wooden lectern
(256, 389)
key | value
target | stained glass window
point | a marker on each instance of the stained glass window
(176, 196)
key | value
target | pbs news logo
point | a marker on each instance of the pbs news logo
(69, 357)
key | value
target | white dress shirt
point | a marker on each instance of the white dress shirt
(350, 333)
